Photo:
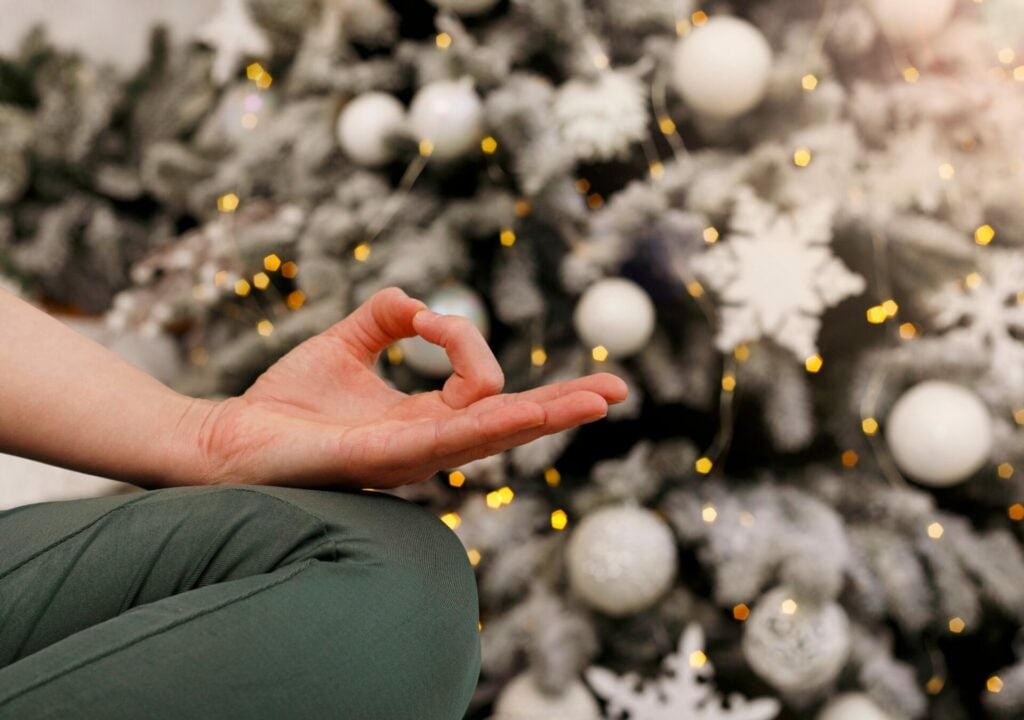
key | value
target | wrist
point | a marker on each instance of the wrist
(187, 458)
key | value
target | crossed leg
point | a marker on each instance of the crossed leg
(235, 602)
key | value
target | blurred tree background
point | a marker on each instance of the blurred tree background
(795, 229)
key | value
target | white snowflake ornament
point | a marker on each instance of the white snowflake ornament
(686, 691)
(986, 312)
(902, 176)
(234, 37)
(775, 274)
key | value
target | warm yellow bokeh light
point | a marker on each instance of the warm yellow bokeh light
(552, 477)
(227, 203)
(559, 519)
(984, 235)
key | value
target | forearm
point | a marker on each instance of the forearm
(69, 401)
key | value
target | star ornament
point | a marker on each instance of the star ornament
(774, 274)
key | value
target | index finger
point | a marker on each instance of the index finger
(477, 372)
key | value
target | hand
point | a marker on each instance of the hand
(322, 417)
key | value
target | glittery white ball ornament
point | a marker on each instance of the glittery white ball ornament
(452, 299)
(366, 126)
(621, 559)
(852, 706)
(721, 68)
(796, 646)
(521, 699)
(909, 21)
(448, 115)
(940, 433)
(617, 314)
(465, 7)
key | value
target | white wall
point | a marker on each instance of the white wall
(114, 31)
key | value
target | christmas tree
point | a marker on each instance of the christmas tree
(795, 229)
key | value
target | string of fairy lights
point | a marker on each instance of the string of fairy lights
(885, 312)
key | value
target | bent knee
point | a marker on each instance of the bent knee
(388, 531)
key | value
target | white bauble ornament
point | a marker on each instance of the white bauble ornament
(452, 299)
(621, 559)
(617, 314)
(910, 21)
(721, 68)
(465, 7)
(940, 433)
(521, 699)
(852, 706)
(798, 647)
(367, 124)
(448, 115)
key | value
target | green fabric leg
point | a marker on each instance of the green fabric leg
(235, 602)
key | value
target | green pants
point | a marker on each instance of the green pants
(235, 602)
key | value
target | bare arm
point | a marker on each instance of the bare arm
(319, 417)
(66, 400)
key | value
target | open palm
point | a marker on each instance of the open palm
(322, 417)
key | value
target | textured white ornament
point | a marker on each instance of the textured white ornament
(617, 314)
(797, 647)
(909, 21)
(452, 299)
(448, 114)
(721, 68)
(621, 559)
(367, 124)
(940, 433)
(465, 7)
(852, 706)
(521, 699)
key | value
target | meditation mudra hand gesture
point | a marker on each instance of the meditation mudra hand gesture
(319, 417)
